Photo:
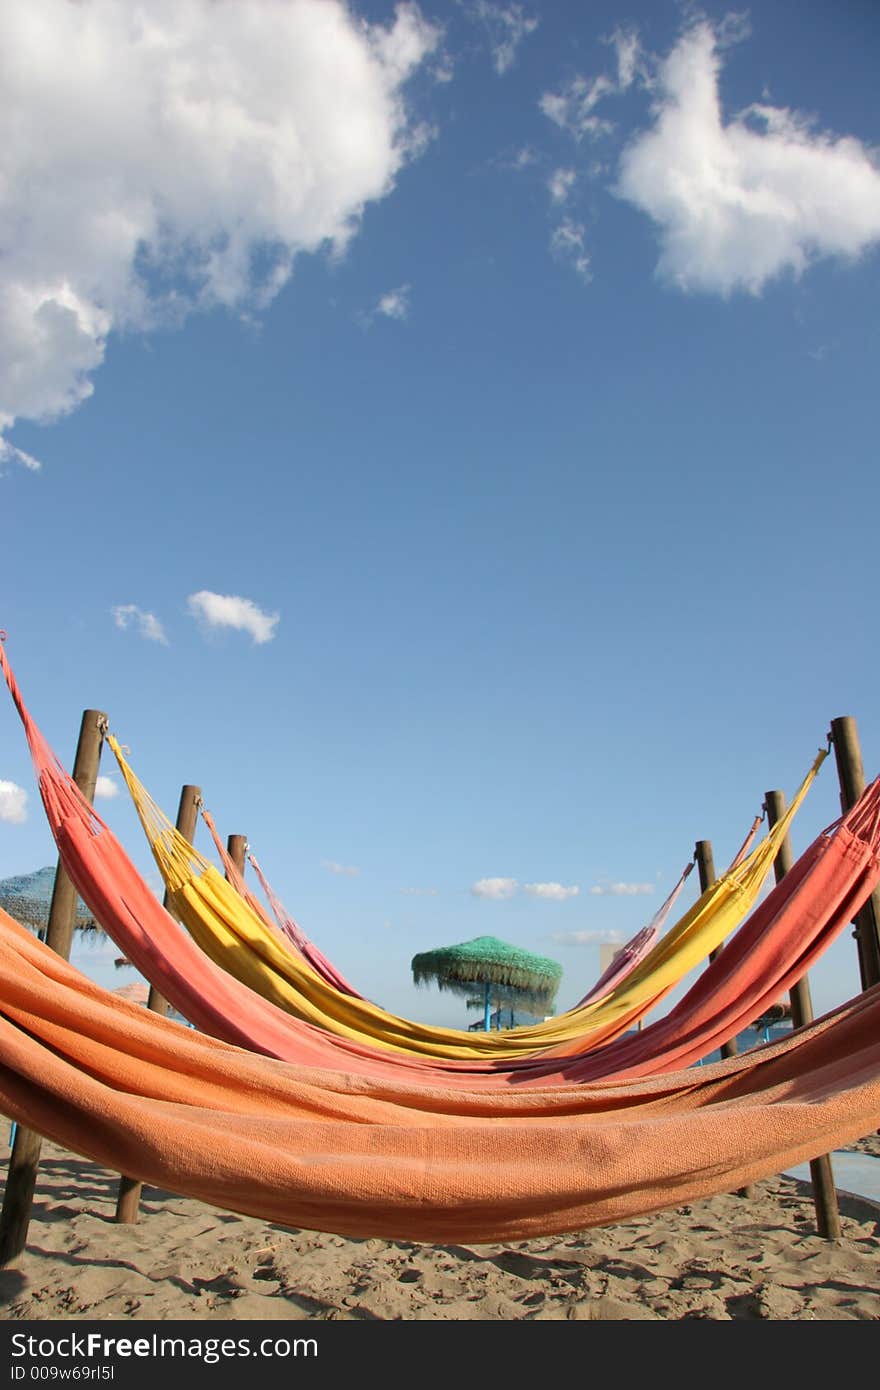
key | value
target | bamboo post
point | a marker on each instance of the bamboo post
(851, 774)
(128, 1196)
(24, 1160)
(706, 869)
(824, 1191)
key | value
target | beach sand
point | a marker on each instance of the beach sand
(725, 1258)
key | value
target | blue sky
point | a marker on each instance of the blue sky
(447, 436)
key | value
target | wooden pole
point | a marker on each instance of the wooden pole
(824, 1191)
(236, 848)
(851, 774)
(128, 1197)
(24, 1160)
(706, 869)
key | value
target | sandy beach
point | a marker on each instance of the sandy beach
(726, 1258)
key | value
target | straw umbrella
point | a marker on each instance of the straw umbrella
(503, 971)
(28, 897)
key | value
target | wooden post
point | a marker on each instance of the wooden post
(128, 1197)
(824, 1191)
(706, 869)
(236, 848)
(851, 773)
(24, 1160)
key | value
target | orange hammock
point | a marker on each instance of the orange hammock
(328, 1151)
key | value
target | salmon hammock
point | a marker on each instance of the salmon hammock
(272, 1115)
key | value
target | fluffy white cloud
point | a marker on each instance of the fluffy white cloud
(147, 624)
(229, 610)
(346, 870)
(393, 305)
(553, 892)
(739, 203)
(106, 788)
(627, 47)
(586, 938)
(497, 888)
(163, 157)
(560, 184)
(9, 454)
(573, 108)
(13, 803)
(506, 25)
(567, 242)
(621, 889)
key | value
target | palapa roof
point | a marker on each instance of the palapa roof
(28, 897)
(512, 973)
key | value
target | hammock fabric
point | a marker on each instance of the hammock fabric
(236, 939)
(291, 931)
(633, 953)
(325, 1151)
(811, 905)
(624, 962)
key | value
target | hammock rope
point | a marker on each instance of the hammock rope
(283, 923)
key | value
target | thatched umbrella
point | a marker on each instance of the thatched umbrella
(503, 970)
(28, 897)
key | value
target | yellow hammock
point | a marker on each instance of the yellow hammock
(235, 938)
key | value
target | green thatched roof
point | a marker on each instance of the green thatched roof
(28, 897)
(512, 973)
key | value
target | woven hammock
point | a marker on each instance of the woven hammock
(327, 1151)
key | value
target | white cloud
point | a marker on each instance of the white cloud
(553, 892)
(523, 158)
(567, 242)
(625, 43)
(13, 803)
(560, 184)
(586, 938)
(147, 624)
(394, 305)
(229, 610)
(621, 889)
(497, 888)
(738, 204)
(165, 157)
(507, 26)
(105, 787)
(347, 870)
(10, 454)
(419, 892)
(572, 108)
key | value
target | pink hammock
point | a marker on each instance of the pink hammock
(635, 950)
